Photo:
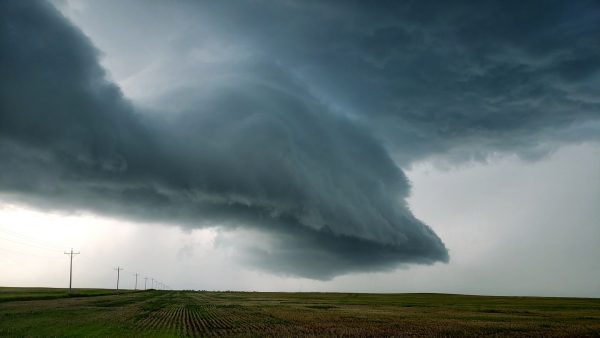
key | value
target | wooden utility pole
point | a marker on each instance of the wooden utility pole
(118, 269)
(71, 267)
(135, 287)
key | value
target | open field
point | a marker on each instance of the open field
(13, 294)
(182, 313)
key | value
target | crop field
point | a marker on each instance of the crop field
(53, 312)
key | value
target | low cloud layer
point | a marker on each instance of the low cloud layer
(455, 80)
(296, 132)
(252, 154)
(429, 77)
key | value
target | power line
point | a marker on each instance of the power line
(25, 240)
(29, 254)
(71, 267)
(97, 262)
(38, 242)
(28, 244)
(28, 241)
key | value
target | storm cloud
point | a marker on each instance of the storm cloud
(293, 118)
(442, 78)
(428, 78)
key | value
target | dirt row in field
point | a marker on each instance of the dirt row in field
(195, 316)
(211, 314)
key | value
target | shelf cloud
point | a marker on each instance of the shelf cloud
(300, 133)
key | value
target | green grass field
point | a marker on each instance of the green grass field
(13, 294)
(52, 312)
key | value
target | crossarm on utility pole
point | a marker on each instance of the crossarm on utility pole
(71, 267)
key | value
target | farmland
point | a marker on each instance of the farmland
(53, 312)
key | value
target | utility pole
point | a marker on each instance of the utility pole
(145, 281)
(118, 269)
(135, 287)
(71, 267)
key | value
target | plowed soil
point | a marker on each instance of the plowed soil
(242, 314)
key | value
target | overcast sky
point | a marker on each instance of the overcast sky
(302, 146)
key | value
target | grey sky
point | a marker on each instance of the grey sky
(289, 127)
(497, 247)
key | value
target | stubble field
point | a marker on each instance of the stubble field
(51, 312)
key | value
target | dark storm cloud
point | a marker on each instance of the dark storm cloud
(259, 152)
(285, 116)
(437, 77)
